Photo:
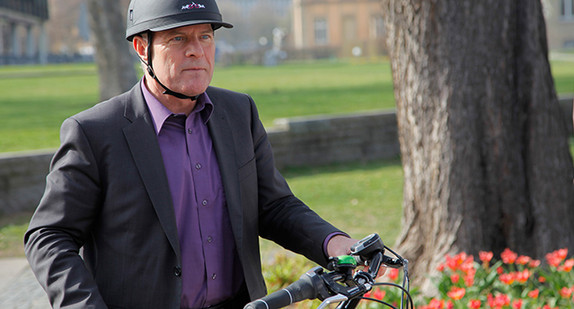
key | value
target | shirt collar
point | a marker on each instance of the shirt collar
(159, 113)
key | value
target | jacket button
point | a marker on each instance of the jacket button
(177, 271)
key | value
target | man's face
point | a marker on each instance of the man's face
(183, 58)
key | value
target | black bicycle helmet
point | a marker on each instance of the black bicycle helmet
(151, 16)
(159, 15)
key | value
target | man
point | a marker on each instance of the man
(157, 197)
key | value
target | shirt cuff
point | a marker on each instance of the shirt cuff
(328, 238)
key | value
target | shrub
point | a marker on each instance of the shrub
(284, 269)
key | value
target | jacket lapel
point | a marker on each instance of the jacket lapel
(144, 147)
(222, 138)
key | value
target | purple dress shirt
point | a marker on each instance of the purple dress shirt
(211, 272)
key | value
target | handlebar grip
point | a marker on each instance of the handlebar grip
(297, 291)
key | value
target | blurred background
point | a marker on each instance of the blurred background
(266, 31)
(56, 31)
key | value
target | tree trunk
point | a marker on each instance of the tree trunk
(484, 146)
(115, 64)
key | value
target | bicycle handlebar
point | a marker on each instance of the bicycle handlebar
(309, 286)
(315, 283)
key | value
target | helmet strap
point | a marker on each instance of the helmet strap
(154, 76)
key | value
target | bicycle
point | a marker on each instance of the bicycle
(343, 284)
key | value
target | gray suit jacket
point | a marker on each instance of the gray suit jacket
(104, 233)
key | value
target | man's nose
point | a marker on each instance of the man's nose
(194, 49)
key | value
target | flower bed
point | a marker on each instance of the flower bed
(512, 282)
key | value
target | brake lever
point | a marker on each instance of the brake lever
(375, 264)
(333, 299)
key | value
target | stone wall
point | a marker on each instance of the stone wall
(324, 140)
(22, 180)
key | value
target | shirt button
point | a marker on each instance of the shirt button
(204, 203)
(189, 131)
(213, 277)
(198, 166)
(209, 239)
(177, 271)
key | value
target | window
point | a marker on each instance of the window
(321, 31)
(377, 27)
(349, 28)
(567, 9)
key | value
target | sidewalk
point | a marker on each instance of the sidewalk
(18, 286)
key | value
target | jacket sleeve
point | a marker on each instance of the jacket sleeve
(283, 217)
(61, 223)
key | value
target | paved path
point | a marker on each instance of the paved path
(18, 286)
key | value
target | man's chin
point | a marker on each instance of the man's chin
(192, 87)
(189, 91)
(194, 91)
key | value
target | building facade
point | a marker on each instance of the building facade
(559, 23)
(340, 27)
(247, 7)
(23, 36)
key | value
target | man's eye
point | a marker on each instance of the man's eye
(178, 38)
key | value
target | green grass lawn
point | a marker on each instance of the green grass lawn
(312, 88)
(359, 198)
(563, 73)
(12, 229)
(35, 100)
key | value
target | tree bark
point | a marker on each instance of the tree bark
(484, 146)
(116, 66)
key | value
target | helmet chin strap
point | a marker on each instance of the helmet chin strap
(152, 74)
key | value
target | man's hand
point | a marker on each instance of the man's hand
(341, 245)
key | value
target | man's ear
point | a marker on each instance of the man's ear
(140, 46)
